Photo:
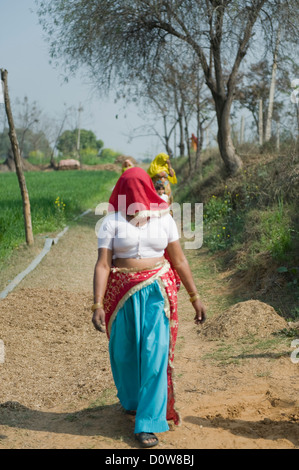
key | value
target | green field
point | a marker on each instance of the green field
(55, 199)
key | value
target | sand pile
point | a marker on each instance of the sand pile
(243, 319)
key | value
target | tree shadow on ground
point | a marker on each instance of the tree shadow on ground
(108, 421)
(264, 429)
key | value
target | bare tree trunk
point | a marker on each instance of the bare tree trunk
(261, 125)
(208, 138)
(52, 161)
(200, 135)
(167, 137)
(231, 159)
(174, 142)
(278, 136)
(272, 90)
(181, 127)
(18, 163)
(242, 130)
(79, 133)
(187, 140)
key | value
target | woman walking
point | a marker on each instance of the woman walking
(135, 300)
(161, 171)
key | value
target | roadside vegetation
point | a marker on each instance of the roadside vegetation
(251, 222)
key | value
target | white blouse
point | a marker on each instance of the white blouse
(129, 241)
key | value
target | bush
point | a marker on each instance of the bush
(89, 156)
(37, 157)
(108, 155)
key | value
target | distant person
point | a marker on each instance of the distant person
(127, 164)
(161, 171)
(194, 142)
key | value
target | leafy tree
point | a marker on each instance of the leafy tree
(67, 142)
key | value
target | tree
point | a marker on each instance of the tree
(253, 92)
(28, 117)
(117, 39)
(30, 133)
(67, 142)
(175, 93)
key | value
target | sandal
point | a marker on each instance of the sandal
(142, 437)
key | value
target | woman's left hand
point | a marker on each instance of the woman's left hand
(200, 312)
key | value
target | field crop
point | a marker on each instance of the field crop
(55, 199)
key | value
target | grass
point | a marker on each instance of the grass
(107, 397)
(249, 348)
(55, 199)
(211, 286)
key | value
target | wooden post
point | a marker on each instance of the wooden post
(261, 127)
(18, 162)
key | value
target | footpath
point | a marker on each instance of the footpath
(236, 388)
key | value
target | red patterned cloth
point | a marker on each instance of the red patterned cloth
(177, 277)
(124, 283)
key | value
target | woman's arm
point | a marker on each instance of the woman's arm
(182, 267)
(100, 279)
(170, 169)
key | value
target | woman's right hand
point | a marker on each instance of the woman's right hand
(98, 320)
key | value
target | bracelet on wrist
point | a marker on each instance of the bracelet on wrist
(95, 306)
(195, 297)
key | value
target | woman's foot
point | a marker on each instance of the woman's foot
(147, 439)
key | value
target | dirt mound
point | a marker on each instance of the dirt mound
(9, 165)
(243, 319)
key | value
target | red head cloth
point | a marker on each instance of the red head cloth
(135, 192)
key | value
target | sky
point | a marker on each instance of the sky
(24, 54)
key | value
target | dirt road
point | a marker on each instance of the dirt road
(56, 385)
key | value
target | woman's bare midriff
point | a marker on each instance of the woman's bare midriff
(140, 263)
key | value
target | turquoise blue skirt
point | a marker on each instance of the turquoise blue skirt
(138, 348)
